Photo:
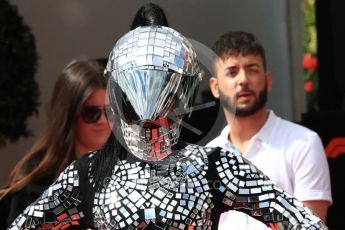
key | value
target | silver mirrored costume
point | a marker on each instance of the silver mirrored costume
(153, 74)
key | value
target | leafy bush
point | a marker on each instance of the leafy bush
(19, 91)
(310, 55)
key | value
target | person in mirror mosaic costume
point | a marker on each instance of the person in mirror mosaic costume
(145, 178)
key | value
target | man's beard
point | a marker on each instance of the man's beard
(230, 105)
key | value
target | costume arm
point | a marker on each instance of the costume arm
(247, 189)
(57, 207)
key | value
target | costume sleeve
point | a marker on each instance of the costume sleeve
(57, 208)
(246, 189)
(310, 170)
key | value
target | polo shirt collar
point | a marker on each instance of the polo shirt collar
(224, 135)
(265, 132)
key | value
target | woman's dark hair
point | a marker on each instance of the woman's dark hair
(105, 160)
(54, 149)
(149, 15)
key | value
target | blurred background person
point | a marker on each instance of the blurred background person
(290, 154)
(76, 124)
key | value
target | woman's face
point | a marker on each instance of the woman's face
(92, 129)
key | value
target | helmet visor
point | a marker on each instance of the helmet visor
(146, 94)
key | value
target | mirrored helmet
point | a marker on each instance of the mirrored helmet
(152, 75)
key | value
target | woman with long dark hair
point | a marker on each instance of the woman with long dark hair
(76, 124)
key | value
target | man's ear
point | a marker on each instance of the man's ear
(214, 87)
(269, 81)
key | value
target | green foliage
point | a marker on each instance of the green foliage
(19, 91)
(310, 55)
(310, 40)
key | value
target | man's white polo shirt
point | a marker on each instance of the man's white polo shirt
(291, 155)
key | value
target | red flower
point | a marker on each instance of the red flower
(309, 61)
(308, 86)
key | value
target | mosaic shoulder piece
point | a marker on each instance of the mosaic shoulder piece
(246, 189)
(57, 208)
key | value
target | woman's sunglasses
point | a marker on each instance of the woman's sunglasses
(92, 114)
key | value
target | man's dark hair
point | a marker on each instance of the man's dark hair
(149, 15)
(236, 43)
